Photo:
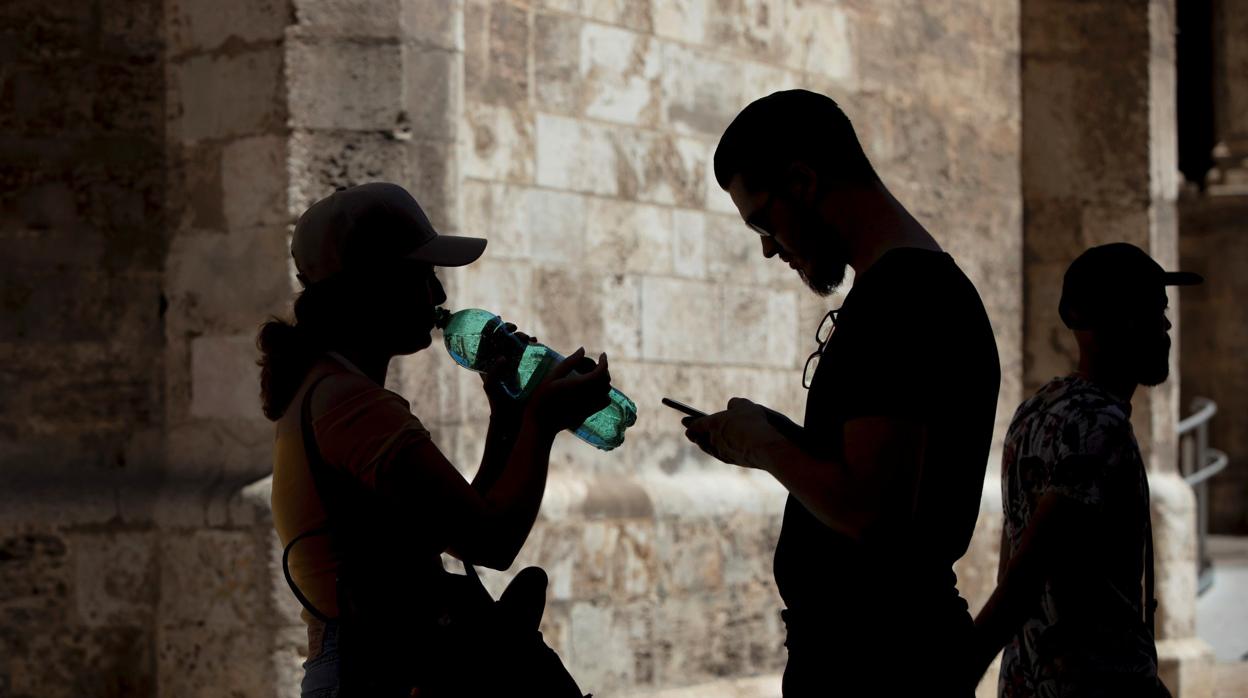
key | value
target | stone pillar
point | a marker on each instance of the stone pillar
(1100, 165)
(1213, 236)
(226, 133)
(1230, 95)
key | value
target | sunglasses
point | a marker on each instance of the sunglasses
(826, 327)
(758, 220)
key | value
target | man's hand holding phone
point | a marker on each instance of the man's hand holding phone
(743, 434)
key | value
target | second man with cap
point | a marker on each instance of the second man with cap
(1074, 602)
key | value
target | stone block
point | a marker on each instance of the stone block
(37, 578)
(214, 580)
(253, 183)
(621, 315)
(499, 143)
(751, 27)
(649, 383)
(433, 91)
(433, 178)
(346, 85)
(689, 556)
(223, 377)
(688, 243)
(496, 53)
(558, 86)
(606, 642)
(558, 224)
(116, 582)
(682, 20)
(632, 14)
(662, 169)
(1070, 100)
(499, 213)
(680, 322)
(435, 23)
(503, 288)
(227, 284)
(701, 93)
(619, 72)
(567, 310)
(757, 326)
(818, 40)
(195, 26)
(227, 96)
(1187, 667)
(577, 156)
(199, 662)
(628, 237)
(322, 162)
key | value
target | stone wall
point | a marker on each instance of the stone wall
(586, 136)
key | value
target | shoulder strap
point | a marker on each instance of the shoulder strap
(316, 465)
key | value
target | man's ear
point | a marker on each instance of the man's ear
(803, 182)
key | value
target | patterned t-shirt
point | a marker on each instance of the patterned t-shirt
(1088, 635)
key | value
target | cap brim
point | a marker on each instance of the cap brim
(1182, 278)
(449, 251)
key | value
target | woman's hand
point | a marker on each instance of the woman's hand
(504, 409)
(565, 398)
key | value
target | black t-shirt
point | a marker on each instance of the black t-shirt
(912, 340)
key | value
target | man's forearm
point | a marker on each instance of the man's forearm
(824, 487)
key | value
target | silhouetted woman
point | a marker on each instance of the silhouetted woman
(369, 500)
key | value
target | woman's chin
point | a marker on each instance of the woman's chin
(416, 344)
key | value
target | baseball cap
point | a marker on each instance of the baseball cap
(361, 226)
(1114, 278)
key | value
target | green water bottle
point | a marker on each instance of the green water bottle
(476, 338)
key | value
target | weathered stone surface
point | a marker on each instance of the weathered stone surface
(577, 156)
(223, 377)
(368, 83)
(117, 577)
(499, 143)
(680, 322)
(198, 26)
(251, 78)
(701, 92)
(619, 73)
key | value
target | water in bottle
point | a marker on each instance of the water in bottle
(476, 338)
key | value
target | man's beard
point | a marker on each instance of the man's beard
(829, 258)
(1155, 372)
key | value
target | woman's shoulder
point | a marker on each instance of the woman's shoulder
(336, 388)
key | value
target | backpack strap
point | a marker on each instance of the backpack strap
(316, 465)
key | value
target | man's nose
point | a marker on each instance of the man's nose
(770, 248)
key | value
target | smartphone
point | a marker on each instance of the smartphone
(682, 407)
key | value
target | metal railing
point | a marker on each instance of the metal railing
(1197, 463)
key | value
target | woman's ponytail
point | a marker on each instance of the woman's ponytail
(287, 352)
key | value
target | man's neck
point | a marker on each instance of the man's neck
(1107, 377)
(883, 224)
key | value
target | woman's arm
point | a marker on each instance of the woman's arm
(488, 526)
